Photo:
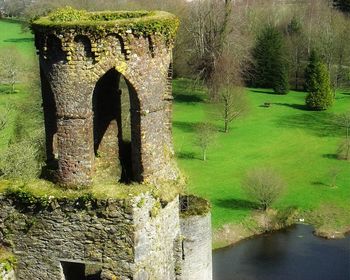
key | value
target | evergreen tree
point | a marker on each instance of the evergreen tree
(317, 84)
(271, 67)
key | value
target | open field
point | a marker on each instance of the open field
(11, 35)
(300, 144)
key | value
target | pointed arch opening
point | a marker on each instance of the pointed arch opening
(54, 50)
(116, 127)
(83, 49)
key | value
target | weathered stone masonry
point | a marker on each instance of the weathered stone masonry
(140, 236)
(82, 119)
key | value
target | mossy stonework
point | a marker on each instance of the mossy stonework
(88, 226)
(137, 238)
(83, 57)
(7, 265)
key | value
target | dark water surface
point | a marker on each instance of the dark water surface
(292, 254)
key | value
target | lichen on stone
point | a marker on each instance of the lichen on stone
(7, 259)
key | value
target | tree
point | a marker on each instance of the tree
(271, 67)
(205, 136)
(207, 29)
(263, 185)
(231, 100)
(343, 121)
(296, 42)
(10, 66)
(317, 84)
(233, 104)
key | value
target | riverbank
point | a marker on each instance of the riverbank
(272, 220)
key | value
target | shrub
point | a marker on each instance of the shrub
(263, 185)
(20, 160)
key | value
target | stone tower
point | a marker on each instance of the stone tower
(87, 62)
(91, 65)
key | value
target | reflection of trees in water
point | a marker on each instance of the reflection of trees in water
(271, 247)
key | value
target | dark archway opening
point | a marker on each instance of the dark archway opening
(50, 120)
(80, 271)
(54, 50)
(115, 133)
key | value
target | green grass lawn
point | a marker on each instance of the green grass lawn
(299, 144)
(12, 35)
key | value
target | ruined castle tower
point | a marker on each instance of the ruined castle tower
(106, 87)
(86, 65)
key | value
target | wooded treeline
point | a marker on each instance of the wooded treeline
(224, 39)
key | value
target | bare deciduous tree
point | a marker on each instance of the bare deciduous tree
(343, 121)
(10, 66)
(264, 185)
(205, 136)
(207, 27)
(233, 104)
(231, 100)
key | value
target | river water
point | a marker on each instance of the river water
(290, 254)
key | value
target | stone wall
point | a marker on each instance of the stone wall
(72, 62)
(131, 239)
(156, 232)
(196, 261)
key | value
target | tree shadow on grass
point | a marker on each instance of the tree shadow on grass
(330, 156)
(236, 204)
(185, 126)
(318, 123)
(19, 40)
(185, 155)
(187, 98)
(318, 183)
(263, 91)
(294, 106)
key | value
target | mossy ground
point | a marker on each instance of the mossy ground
(42, 191)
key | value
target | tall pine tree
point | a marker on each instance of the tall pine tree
(271, 66)
(317, 84)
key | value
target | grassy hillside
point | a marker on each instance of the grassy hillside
(300, 144)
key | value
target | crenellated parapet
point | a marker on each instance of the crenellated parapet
(84, 59)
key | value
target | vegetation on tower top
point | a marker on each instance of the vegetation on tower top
(139, 22)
